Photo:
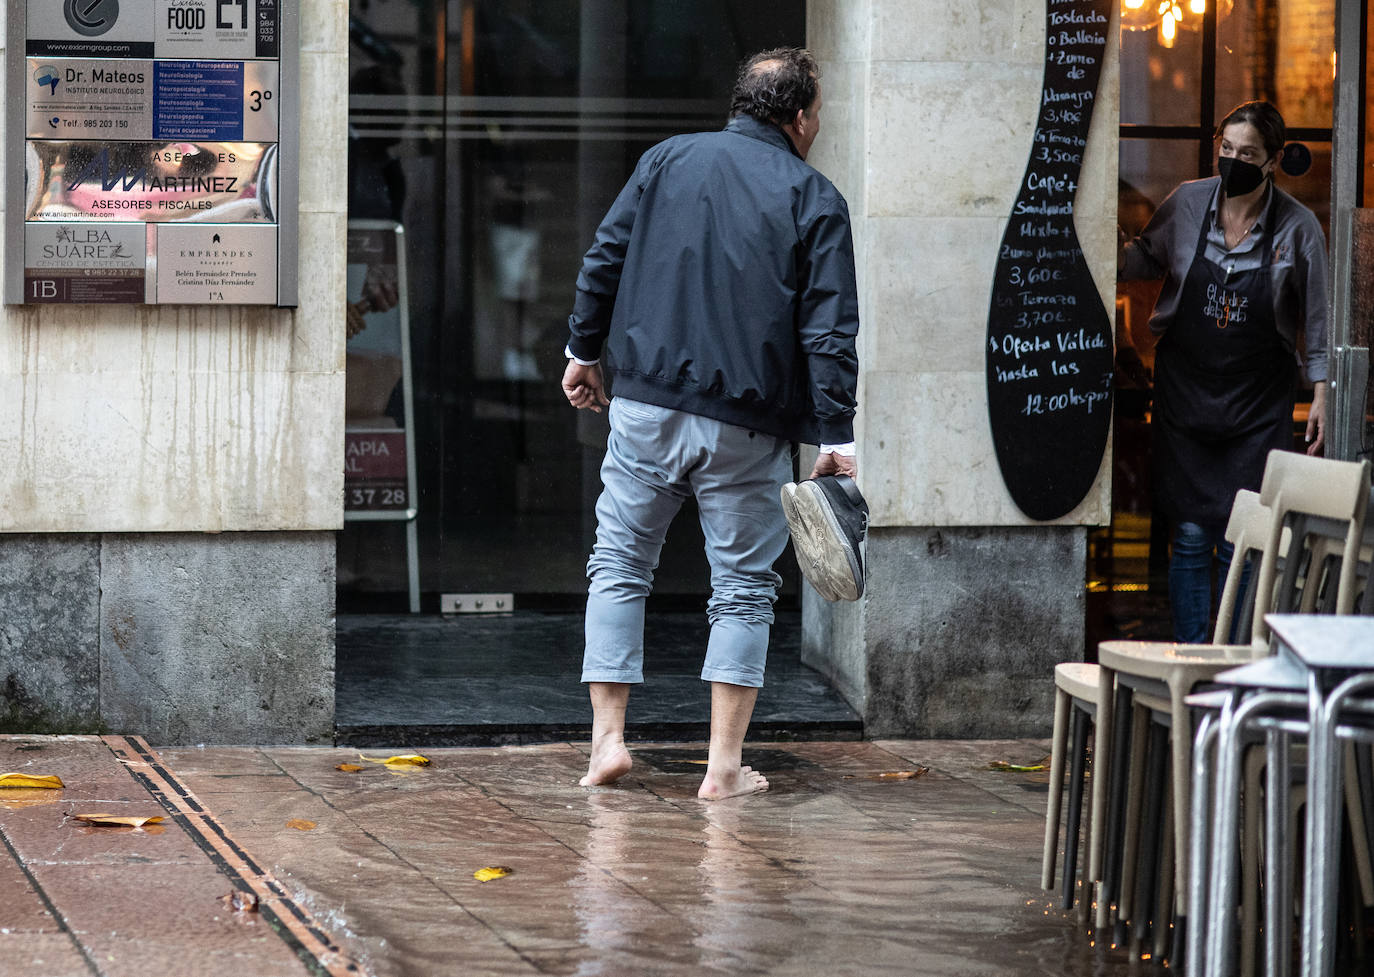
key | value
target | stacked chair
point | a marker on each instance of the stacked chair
(1319, 688)
(1302, 541)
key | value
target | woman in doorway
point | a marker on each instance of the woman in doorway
(1244, 269)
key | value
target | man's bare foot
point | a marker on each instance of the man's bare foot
(744, 780)
(610, 761)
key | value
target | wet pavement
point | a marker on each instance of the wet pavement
(842, 868)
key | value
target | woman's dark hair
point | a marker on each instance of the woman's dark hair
(1266, 120)
(773, 86)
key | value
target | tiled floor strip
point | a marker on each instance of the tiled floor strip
(287, 917)
(59, 920)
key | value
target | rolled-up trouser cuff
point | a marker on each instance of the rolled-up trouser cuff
(736, 651)
(614, 633)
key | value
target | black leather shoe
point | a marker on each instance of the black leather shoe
(828, 519)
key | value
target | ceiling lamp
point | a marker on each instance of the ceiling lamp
(1169, 16)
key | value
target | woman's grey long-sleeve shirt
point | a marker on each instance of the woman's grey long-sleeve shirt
(1166, 247)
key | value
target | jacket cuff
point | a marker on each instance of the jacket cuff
(582, 348)
(836, 430)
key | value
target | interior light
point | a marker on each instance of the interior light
(1198, 7)
(1134, 4)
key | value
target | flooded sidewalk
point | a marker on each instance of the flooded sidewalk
(907, 858)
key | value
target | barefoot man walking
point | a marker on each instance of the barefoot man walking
(723, 280)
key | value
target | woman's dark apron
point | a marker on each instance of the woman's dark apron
(1224, 388)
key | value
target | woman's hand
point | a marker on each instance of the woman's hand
(1316, 419)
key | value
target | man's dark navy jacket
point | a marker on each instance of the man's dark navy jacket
(724, 276)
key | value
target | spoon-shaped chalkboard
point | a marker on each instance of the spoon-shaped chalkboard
(1049, 343)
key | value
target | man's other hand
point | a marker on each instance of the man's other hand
(584, 386)
(833, 464)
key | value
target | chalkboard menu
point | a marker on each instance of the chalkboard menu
(1049, 343)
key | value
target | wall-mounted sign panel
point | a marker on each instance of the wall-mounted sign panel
(89, 98)
(186, 101)
(152, 181)
(217, 29)
(229, 101)
(85, 262)
(143, 115)
(90, 28)
(208, 29)
(211, 263)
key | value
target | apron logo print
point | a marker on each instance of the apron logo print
(1225, 306)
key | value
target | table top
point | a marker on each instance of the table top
(1326, 641)
(1278, 672)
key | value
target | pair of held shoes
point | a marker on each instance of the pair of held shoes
(828, 519)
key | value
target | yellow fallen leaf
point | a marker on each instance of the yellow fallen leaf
(403, 760)
(892, 774)
(492, 872)
(114, 820)
(1006, 767)
(301, 824)
(350, 767)
(30, 780)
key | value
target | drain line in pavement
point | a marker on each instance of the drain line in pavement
(291, 921)
(59, 920)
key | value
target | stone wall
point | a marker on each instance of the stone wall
(182, 638)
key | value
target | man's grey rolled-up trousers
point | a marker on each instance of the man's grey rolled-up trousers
(655, 459)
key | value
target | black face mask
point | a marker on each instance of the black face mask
(1237, 176)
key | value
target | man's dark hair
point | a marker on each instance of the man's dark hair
(773, 86)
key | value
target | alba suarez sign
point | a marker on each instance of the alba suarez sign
(154, 155)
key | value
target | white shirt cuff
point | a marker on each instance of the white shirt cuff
(847, 450)
(567, 351)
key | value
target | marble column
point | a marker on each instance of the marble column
(928, 120)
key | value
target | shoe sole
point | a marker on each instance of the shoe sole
(826, 560)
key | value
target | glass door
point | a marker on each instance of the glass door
(497, 132)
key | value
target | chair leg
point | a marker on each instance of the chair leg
(1077, 768)
(1192, 960)
(1364, 778)
(1057, 749)
(1109, 895)
(1278, 852)
(1358, 835)
(1164, 891)
(1147, 883)
(1249, 861)
(1130, 848)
